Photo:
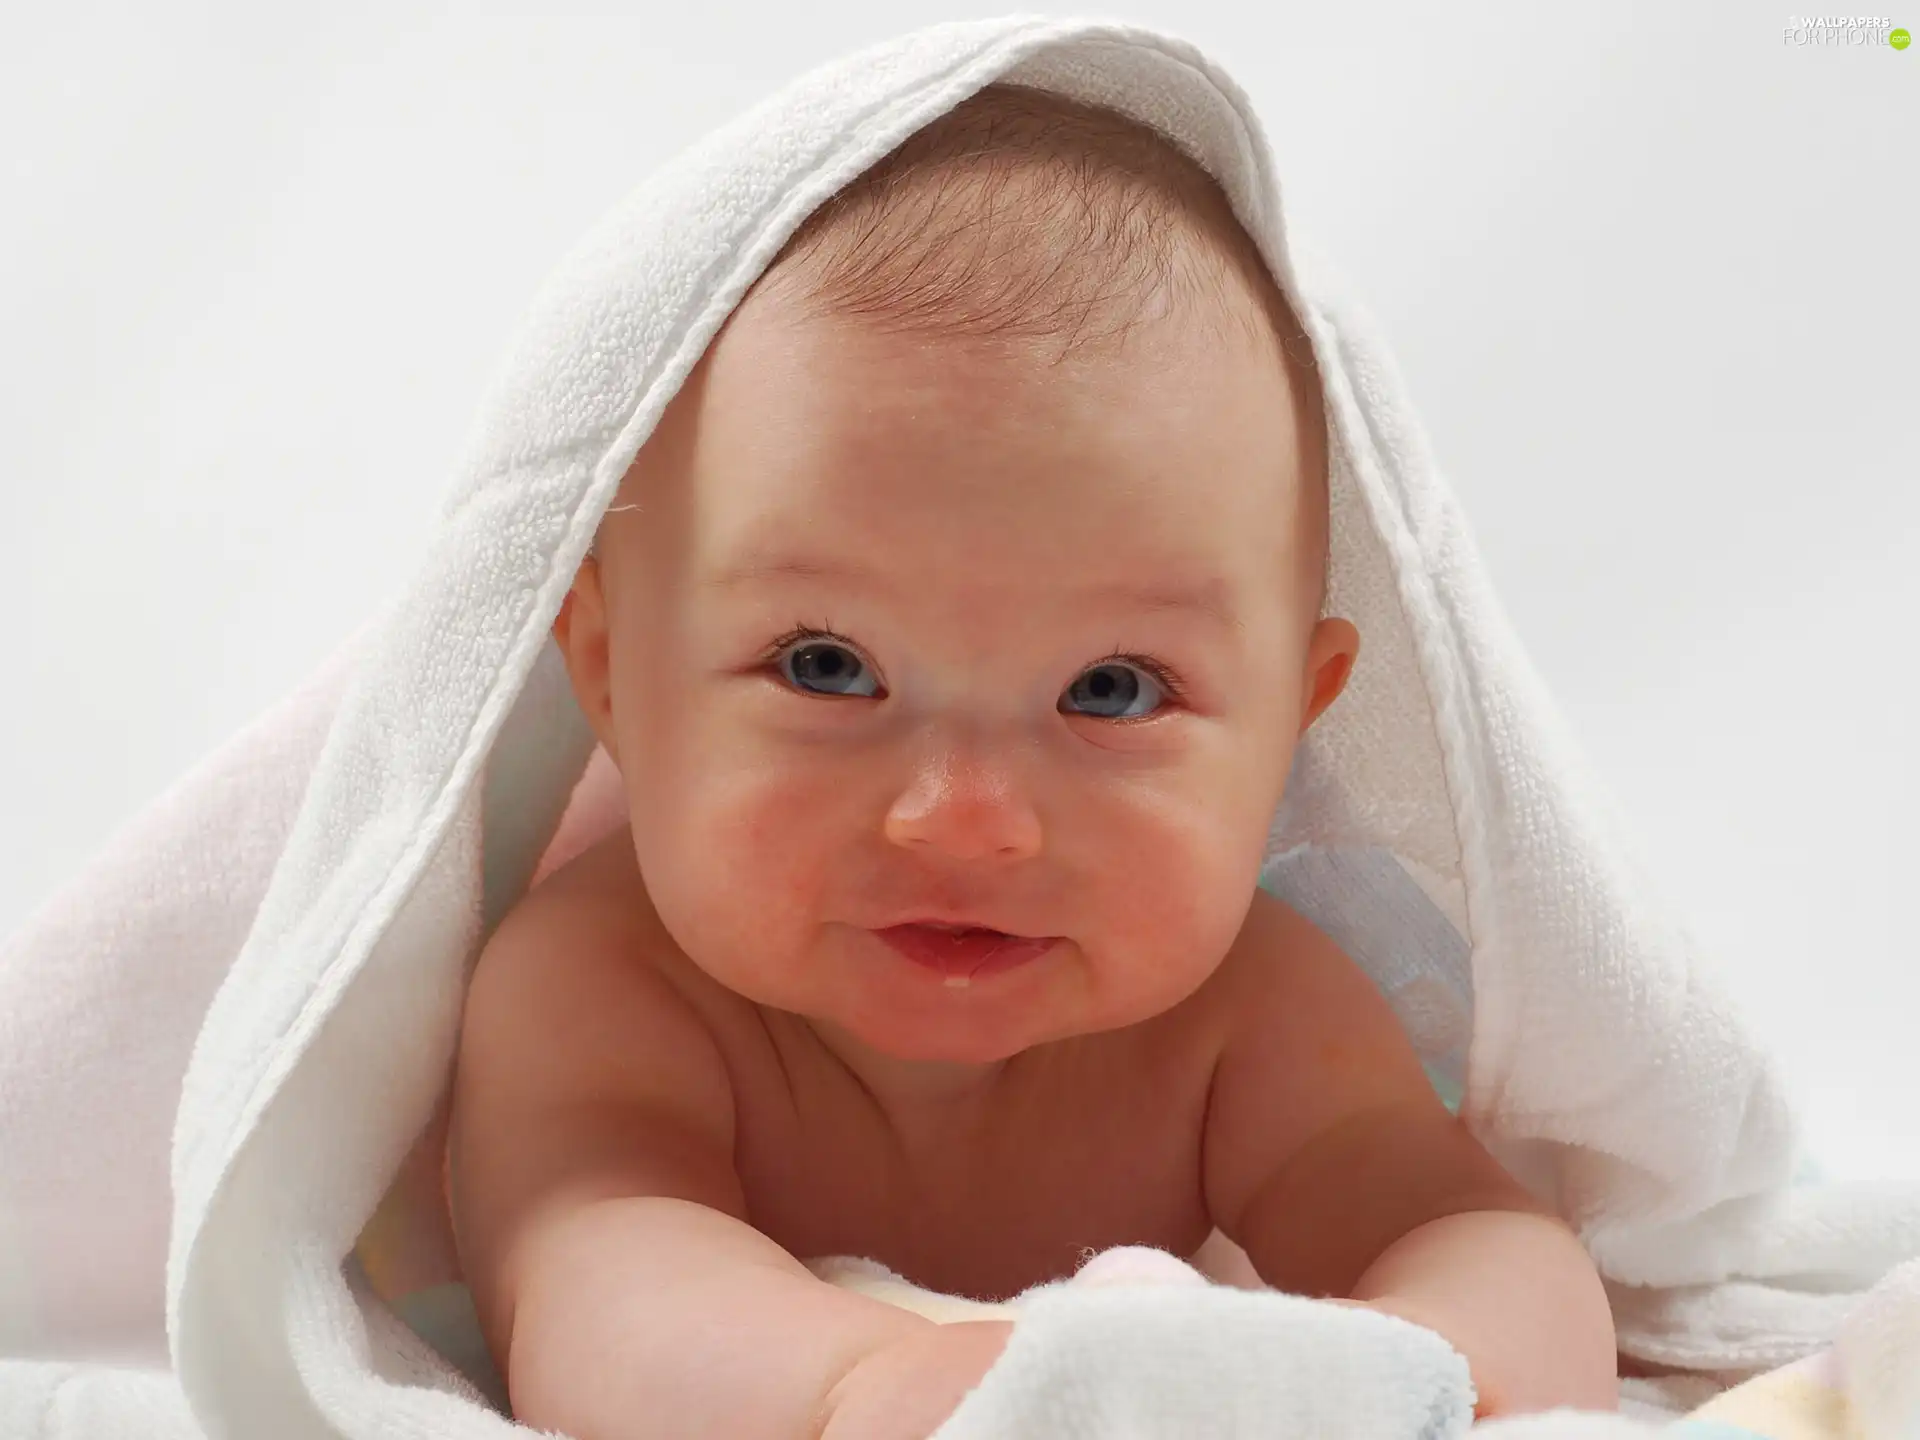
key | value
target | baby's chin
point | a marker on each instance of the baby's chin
(974, 1041)
(908, 1012)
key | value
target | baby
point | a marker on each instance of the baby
(952, 635)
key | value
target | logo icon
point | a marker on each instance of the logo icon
(1844, 32)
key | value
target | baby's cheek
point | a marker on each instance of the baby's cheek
(1176, 907)
(1192, 851)
(735, 871)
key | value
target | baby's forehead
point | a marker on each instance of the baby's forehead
(1165, 454)
(810, 443)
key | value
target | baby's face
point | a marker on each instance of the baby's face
(912, 629)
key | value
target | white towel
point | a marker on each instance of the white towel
(1439, 824)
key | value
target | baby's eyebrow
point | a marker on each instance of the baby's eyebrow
(788, 567)
(1211, 598)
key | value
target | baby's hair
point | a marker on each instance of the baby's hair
(1021, 215)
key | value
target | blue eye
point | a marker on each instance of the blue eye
(821, 667)
(1113, 690)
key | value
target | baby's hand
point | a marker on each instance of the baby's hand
(907, 1390)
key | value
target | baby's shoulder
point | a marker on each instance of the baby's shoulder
(584, 955)
(1283, 966)
(590, 921)
(599, 948)
(571, 1007)
(1306, 1017)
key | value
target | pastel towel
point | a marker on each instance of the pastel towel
(1867, 1387)
(327, 881)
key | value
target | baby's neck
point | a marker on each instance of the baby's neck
(916, 1095)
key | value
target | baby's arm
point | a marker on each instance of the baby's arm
(1333, 1164)
(601, 1223)
(650, 1318)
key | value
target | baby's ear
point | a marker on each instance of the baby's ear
(580, 630)
(563, 623)
(1331, 652)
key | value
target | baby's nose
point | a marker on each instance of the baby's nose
(966, 808)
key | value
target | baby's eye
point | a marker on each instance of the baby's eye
(1113, 690)
(822, 667)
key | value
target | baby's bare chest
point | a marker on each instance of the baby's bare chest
(1109, 1154)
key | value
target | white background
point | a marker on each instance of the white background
(1650, 276)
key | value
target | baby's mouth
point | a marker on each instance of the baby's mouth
(961, 954)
